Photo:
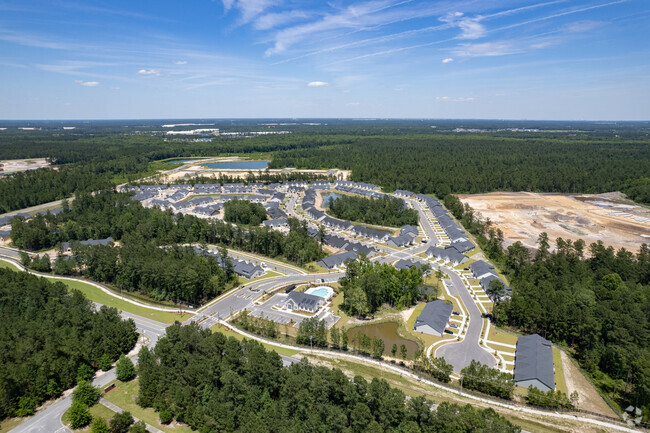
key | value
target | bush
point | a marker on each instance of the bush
(552, 399)
(120, 422)
(79, 416)
(105, 362)
(138, 427)
(99, 426)
(26, 406)
(165, 416)
(86, 394)
(124, 369)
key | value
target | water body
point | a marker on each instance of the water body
(386, 331)
(326, 198)
(239, 165)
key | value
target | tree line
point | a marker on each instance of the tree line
(471, 163)
(116, 215)
(51, 337)
(384, 211)
(214, 383)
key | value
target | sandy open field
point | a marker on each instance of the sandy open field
(13, 165)
(522, 216)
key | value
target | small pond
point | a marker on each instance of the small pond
(239, 165)
(386, 331)
(326, 198)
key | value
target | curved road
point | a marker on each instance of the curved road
(461, 353)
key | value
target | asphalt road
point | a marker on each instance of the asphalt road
(462, 353)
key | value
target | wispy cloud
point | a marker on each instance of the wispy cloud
(276, 19)
(249, 9)
(154, 72)
(87, 83)
(451, 99)
(180, 62)
(352, 17)
(471, 28)
(353, 104)
(317, 84)
(447, 60)
(487, 49)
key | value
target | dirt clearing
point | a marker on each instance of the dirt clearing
(522, 216)
(589, 398)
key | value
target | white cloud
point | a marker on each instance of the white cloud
(87, 83)
(357, 17)
(447, 60)
(275, 19)
(249, 8)
(450, 99)
(180, 62)
(470, 28)
(149, 72)
(583, 26)
(317, 84)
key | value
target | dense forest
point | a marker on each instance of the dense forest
(48, 335)
(438, 162)
(469, 163)
(214, 383)
(116, 215)
(244, 212)
(385, 211)
(367, 286)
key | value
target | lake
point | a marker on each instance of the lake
(239, 165)
(327, 196)
(386, 331)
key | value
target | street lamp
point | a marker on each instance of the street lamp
(311, 342)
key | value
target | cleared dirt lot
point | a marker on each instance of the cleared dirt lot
(522, 216)
(14, 165)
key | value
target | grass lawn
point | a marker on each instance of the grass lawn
(8, 265)
(124, 396)
(10, 424)
(314, 268)
(501, 336)
(560, 382)
(230, 333)
(97, 411)
(97, 295)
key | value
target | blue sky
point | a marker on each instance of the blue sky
(505, 59)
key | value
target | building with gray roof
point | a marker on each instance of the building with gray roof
(481, 269)
(534, 363)
(400, 241)
(434, 318)
(336, 260)
(247, 270)
(409, 230)
(303, 302)
(67, 246)
(485, 285)
(449, 255)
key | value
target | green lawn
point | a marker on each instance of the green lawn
(560, 382)
(97, 411)
(8, 265)
(230, 333)
(124, 396)
(501, 336)
(99, 296)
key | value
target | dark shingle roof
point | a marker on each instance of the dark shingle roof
(435, 314)
(534, 360)
(336, 260)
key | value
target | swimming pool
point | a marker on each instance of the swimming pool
(324, 292)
